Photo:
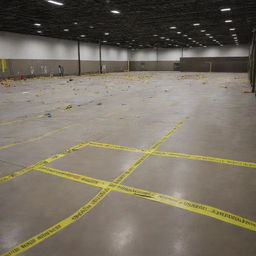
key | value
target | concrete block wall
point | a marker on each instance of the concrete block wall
(40, 56)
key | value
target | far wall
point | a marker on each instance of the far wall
(37, 55)
(226, 58)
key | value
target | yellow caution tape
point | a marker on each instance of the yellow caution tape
(22, 120)
(157, 197)
(37, 138)
(87, 207)
(178, 155)
(43, 162)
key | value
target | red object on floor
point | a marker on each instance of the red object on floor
(21, 77)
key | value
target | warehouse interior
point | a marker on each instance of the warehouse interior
(128, 128)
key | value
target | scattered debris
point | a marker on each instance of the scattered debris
(191, 77)
(25, 92)
(223, 86)
(71, 79)
(49, 115)
(37, 95)
(6, 84)
(99, 104)
(68, 106)
(97, 92)
(247, 92)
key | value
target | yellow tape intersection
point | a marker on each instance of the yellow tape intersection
(157, 197)
(177, 155)
(88, 206)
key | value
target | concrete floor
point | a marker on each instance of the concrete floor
(136, 110)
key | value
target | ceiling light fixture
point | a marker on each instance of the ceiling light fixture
(82, 35)
(106, 33)
(37, 24)
(185, 35)
(39, 31)
(232, 29)
(155, 35)
(104, 41)
(55, 2)
(75, 23)
(66, 29)
(179, 32)
(228, 21)
(225, 9)
(196, 24)
(203, 30)
(172, 27)
(115, 11)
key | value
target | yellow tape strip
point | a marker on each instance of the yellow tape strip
(3, 65)
(37, 138)
(43, 162)
(178, 155)
(22, 120)
(87, 207)
(157, 197)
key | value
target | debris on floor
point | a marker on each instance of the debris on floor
(68, 107)
(6, 84)
(99, 104)
(223, 86)
(37, 95)
(49, 115)
(196, 76)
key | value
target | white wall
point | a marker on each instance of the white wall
(143, 55)
(169, 54)
(19, 46)
(89, 51)
(109, 53)
(176, 54)
(225, 51)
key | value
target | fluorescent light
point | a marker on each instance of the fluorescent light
(225, 9)
(189, 38)
(185, 35)
(37, 24)
(203, 30)
(82, 35)
(232, 29)
(207, 34)
(39, 32)
(54, 2)
(167, 39)
(91, 26)
(106, 33)
(75, 23)
(66, 29)
(104, 41)
(179, 32)
(172, 27)
(162, 37)
(228, 21)
(196, 24)
(210, 36)
(155, 35)
(117, 43)
(234, 34)
(115, 11)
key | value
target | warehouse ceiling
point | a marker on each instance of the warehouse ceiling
(134, 23)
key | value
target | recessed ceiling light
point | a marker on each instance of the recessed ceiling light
(234, 34)
(167, 39)
(172, 27)
(133, 40)
(189, 38)
(54, 2)
(141, 45)
(37, 24)
(162, 37)
(205, 46)
(203, 30)
(232, 29)
(106, 33)
(75, 23)
(39, 31)
(91, 26)
(179, 32)
(155, 35)
(117, 43)
(207, 34)
(82, 35)
(66, 29)
(228, 21)
(210, 36)
(225, 9)
(196, 24)
(185, 35)
(104, 41)
(115, 11)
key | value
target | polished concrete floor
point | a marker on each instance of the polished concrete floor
(135, 110)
